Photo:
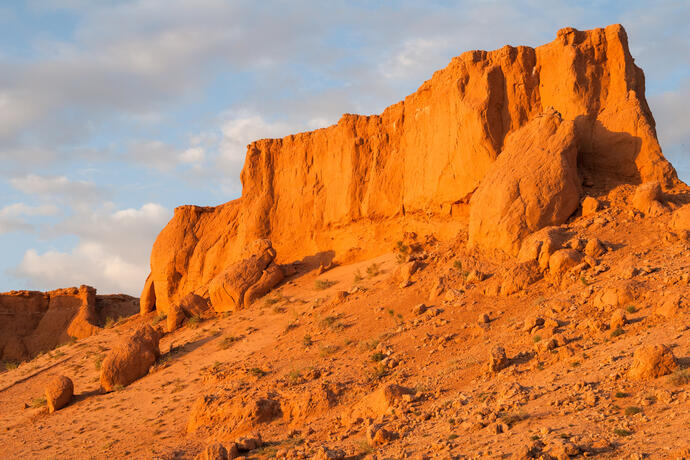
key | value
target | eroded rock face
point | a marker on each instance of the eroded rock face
(33, 321)
(652, 361)
(533, 184)
(245, 281)
(130, 359)
(364, 181)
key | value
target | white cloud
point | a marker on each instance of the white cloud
(12, 216)
(58, 188)
(112, 253)
(192, 155)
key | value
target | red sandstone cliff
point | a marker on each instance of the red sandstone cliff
(34, 321)
(352, 189)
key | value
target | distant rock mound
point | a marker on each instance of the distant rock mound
(352, 189)
(34, 321)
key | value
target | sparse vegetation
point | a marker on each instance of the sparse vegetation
(378, 356)
(227, 342)
(332, 322)
(680, 377)
(622, 432)
(457, 265)
(194, 321)
(320, 285)
(373, 270)
(327, 350)
(358, 276)
(616, 332)
(402, 252)
(158, 319)
(632, 410)
(9, 365)
(536, 338)
(256, 372)
(632, 309)
(621, 394)
(38, 402)
(98, 361)
(307, 341)
(109, 322)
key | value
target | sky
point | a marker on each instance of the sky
(112, 113)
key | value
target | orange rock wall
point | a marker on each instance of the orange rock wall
(34, 321)
(352, 189)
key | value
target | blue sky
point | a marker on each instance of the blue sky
(114, 112)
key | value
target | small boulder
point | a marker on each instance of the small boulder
(378, 436)
(563, 260)
(646, 199)
(497, 359)
(213, 451)
(130, 359)
(652, 361)
(59, 392)
(618, 319)
(590, 205)
(520, 277)
(680, 220)
(419, 309)
(594, 248)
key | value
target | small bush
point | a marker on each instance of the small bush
(256, 372)
(332, 322)
(38, 402)
(378, 356)
(537, 339)
(622, 432)
(9, 365)
(618, 331)
(632, 410)
(118, 387)
(320, 285)
(327, 350)
(158, 319)
(307, 341)
(402, 252)
(680, 377)
(358, 276)
(457, 265)
(98, 361)
(632, 309)
(373, 270)
(194, 321)
(621, 394)
(109, 322)
(227, 342)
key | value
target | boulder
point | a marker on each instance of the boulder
(533, 184)
(589, 205)
(647, 198)
(59, 392)
(520, 277)
(618, 319)
(497, 359)
(130, 359)
(680, 219)
(563, 260)
(652, 361)
(594, 248)
(213, 451)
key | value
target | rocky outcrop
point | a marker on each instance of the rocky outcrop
(352, 189)
(34, 321)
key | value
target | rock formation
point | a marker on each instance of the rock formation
(59, 392)
(352, 189)
(33, 321)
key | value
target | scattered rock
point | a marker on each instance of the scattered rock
(646, 199)
(618, 319)
(520, 277)
(213, 451)
(497, 359)
(652, 361)
(594, 248)
(563, 260)
(419, 309)
(378, 436)
(59, 392)
(590, 205)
